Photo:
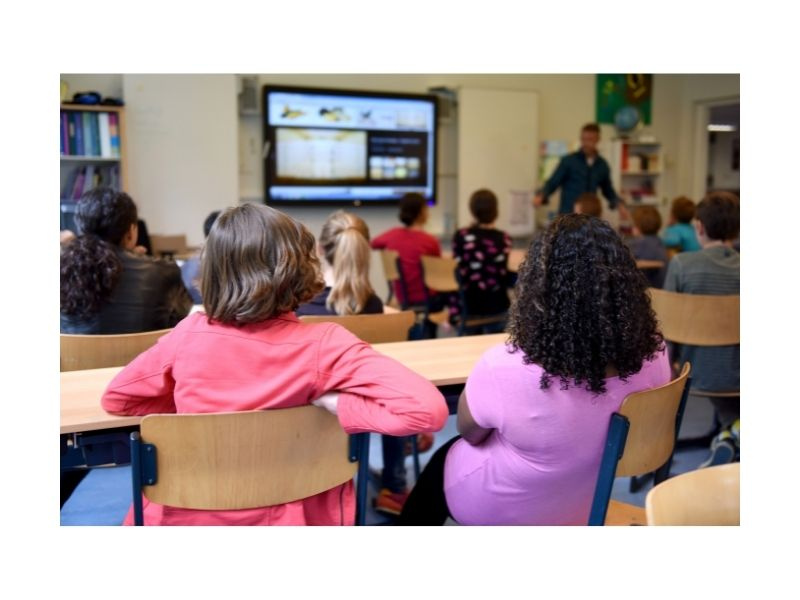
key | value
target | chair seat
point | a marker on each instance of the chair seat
(621, 513)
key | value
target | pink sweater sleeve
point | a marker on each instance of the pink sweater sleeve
(376, 393)
(145, 386)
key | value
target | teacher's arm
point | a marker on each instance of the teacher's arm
(552, 184)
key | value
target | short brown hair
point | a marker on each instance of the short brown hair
(257, 263)
(647, 219)
(683, 209)
(483, 206)
(589, 204)
(411, 205)
(593, 127)
(719, 214)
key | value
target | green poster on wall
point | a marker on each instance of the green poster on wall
(616, 91)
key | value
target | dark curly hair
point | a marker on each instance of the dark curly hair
(90, 268)
(582, 306)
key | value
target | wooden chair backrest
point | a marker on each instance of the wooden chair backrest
(440, 273)
(168, 244)
(373, 328)
(707, 496)
(389, 262)
(651, 437)
(695, 319)
(231, 461)
(79, 352)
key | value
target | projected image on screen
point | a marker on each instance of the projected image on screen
(345, 146)
(321, 155)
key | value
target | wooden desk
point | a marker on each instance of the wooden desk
(650, 264)
(446, 361)
(515, 258)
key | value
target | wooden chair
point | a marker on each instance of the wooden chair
(389, 260)
(377, 329)
(641, 439)
(439, 275)
(80, 352)
(373, 329)
(648, 265)
(698, 320)
(707, 496)
(239, 460)
(168, 245)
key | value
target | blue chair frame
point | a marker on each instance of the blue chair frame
(145, 472)
(612, 453)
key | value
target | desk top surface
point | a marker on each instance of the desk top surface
(444, 361)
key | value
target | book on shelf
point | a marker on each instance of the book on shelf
(84, 178)
(113, 127)
(90, 134)
(79, 148)
(105, 135)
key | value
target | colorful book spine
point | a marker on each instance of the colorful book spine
(64, 133)
(79, 145)
(78, 188)
(95, 132)
(87, 135)
(71, 123)
(105, 135)
(113, 126)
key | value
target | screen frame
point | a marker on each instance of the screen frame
(269, 136)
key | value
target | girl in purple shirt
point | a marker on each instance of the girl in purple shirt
(534, 414)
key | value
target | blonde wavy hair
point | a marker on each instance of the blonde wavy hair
(345, 245)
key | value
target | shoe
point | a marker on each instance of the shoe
(390, 503)
(424, 443)
(723, 450)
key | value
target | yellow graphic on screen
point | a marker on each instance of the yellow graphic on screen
(316, 155)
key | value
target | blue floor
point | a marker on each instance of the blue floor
(104, 496)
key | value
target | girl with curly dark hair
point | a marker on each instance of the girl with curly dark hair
(249, 351)
(106, 287)
(535, 411)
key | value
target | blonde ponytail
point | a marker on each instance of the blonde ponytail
(344, 241)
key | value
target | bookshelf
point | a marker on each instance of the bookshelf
(93, 152)
(636, 167)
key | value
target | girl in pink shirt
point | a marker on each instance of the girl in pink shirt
(535, 411)
(248, 351)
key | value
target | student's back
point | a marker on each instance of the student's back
(105, 287)
(250, 352)
(411, 243)
(345, 253)
(713, 270)
(482, 253)
(647, 245)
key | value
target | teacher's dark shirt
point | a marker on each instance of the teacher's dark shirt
(574, 176)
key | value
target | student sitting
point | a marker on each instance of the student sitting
(646, 245)
(680, 234)
(482, 253)
(250, 352)
(107, 288)
(534, 414)
(712, 270)
(345, 253)
(410, 242)
(589, 204)
(190, 269)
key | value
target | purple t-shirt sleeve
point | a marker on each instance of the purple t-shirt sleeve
(483, 396)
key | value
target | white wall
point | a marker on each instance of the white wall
(182, 149)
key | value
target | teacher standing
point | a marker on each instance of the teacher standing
(580, 172)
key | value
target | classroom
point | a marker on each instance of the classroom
(399, 299)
